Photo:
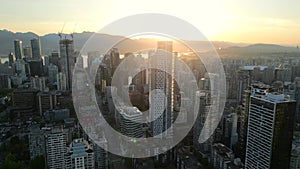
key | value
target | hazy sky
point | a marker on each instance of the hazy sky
(250, 21)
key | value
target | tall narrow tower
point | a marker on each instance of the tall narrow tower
(161, 88)
(67, 59)
(36, 48)
(18, 49)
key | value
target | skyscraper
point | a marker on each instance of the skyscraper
(11, 59)
(67, 62)
(52, 73)
(61, 82)
(131, 121)
(36, 48)
(270, 131)
(18, 49)
(27, 52)
(115, 59)
(162, 81)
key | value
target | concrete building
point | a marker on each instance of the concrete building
(269, 133)
(61, 82)
(223, 158)
(80, 155)
(131, 121)
(56, 142)
(46, 101)
(38, 83)
(27, 52)
(36, 142)
(52, 73)
(57, 114)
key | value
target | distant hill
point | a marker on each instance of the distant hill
(50, 42)
(260, 49)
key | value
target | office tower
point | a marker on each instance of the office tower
(115, 59)
(162, 81)
(24, 97)
(54, 59)
(21, 68)
(202, 100)
(80, 154)
(38, 83)
(18, 49)
(61, 82)
(56, 140)
(46, 60)
(11, 59)
(52, 73)
(36, 48)
(101, 156)
(46, 101)
(27, 52)
(230, 129)
(270, 131)
(36, 67)
(243, 124)
(131, 121)
(36, 142)
(67, 60)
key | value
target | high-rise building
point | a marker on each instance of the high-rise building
(18, 49)
(131, 121)
(270, 131)
(36, 67)
(61, 82)
(161, 80)
(11, 59)
(36, 48)
(36, 142)
(101, 156)
(54, 59)
(56, 142)
(115, 59)
(27, 52)
(67, 60)
(80, 154)
(52, 73)
(202, 98)
(38, 83)
(46, 101)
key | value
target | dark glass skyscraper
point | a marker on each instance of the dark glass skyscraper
(18, 49)
(36, 48)
(270, 131)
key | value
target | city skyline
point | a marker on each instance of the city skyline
(231, 20)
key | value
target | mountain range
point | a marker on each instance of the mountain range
(50, 42)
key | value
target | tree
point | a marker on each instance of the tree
(37, 163)
(10, 162)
